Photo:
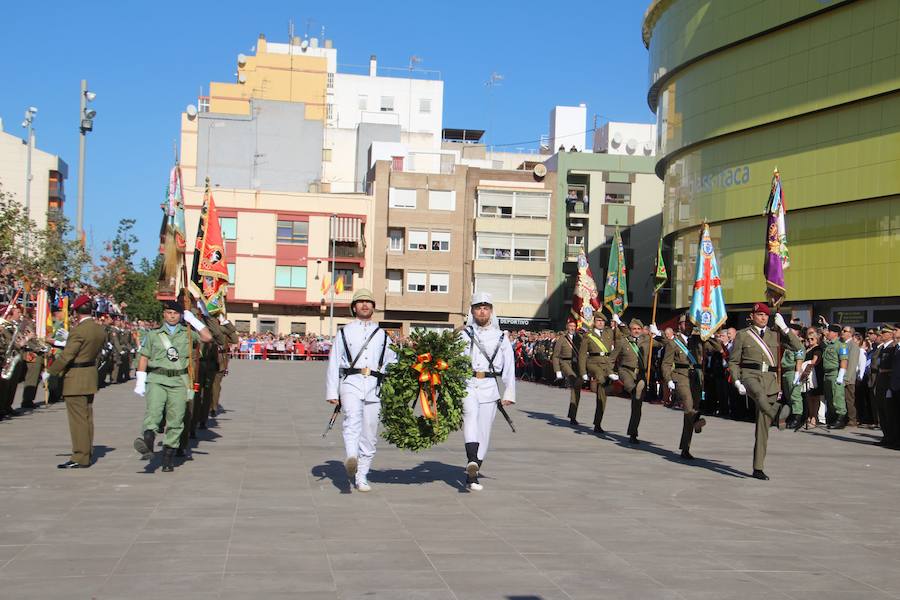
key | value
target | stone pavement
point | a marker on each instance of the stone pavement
(264, 509)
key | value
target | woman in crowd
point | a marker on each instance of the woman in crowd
(812, 377)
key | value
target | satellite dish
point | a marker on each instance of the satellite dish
(617, 139)
(631, 146)
(304, 45)
(539, 170)
(242, 78)
(191, 111)
(242, 60)
(648, 147)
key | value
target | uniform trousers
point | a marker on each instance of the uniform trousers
(850, 400)
(216, 390)
(168, 400)
(478, 419)
(80, 410)
(360, 426)
(574, 383)
(687, 391)
(766, 410)
(834, 395)
(599, 373)
(633, 384)
(32, 380)
(792, 392)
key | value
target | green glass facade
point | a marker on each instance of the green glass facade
(809, 87)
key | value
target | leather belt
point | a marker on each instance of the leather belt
(885, 370)
(167, 372)
(765, 368)
(365, 372)
(484, 375)
(598, 353)
(82, 365)
(683, 366)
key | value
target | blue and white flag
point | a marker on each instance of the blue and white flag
(708, 303)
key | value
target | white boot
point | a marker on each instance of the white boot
(362, 485)
(474, 486)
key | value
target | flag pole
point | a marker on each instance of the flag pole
(650, 349)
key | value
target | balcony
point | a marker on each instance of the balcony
(578, 209)
(572, 252)
(349, 251)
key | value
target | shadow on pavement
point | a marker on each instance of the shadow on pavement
(333, 470)
(644, 446)
(426, 472)
(98, 452)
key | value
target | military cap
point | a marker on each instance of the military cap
(635, 322)
(80, 301)
(362, 295)
(886, 327)
(481, 298)
(835, 328)
(761, 307)
(171, 305)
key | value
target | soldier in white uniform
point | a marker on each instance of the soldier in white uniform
(359, 356)
(493, 359)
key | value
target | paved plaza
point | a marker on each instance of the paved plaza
(264, 510)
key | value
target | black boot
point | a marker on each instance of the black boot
(472, 465)
(144, 445)
(168, 459)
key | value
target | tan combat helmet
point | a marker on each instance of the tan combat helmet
(361, 294)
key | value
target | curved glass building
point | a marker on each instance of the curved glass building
(810, 87)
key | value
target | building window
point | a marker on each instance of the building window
(415, 281)
(268, 326)
(387, 104)
(397, 164)
(394, 281)
(495, 285)
(326, 154)
(512, 288)
(243, 326)
(530, 247)
(617, 193)
(439, 283)
(228, 225)
(440, 241)
(293, 232)
(290, 277)
(329, 111)
(418, 240)
(347, 276)
(395, 240)
(298, 328)
(363, 102)
(508, 204)
(441, 200)
(330, 83)
(494, 246)
(203, 104)
(425, 106)
(230, 273)
(401, 198)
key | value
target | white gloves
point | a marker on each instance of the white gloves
(585, 377)
(671, 385)
(140, 388)
(740, 387)
(223, 320)
(559, 374)
(796, 377)
(45, 376)
(888, 394)
(779, 322)
(654, 330)
(840, 377)
(616, 319)
(193, 321)
(613, 377)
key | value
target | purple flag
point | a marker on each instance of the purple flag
(777, 260)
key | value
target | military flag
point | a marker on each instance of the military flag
(209, 275)
(660, 277)
(42, 315)
(615, 292)
(777, 259)
(172, 234)
(585, 298)
(707, 310)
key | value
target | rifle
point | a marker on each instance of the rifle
(334, 414)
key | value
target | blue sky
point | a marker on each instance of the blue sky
(148, 60)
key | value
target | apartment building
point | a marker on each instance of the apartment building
(48, 175)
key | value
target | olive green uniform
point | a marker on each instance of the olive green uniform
(76, 364)
(789, 390)
(630, 357)
(594, 361)
(169, 387)
(682, 363)
(565, 360)
(755, 368)
(34, 363)
(833, 354)
(116, 359)
(223, 335)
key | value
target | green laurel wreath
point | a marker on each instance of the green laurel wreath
(400, 391)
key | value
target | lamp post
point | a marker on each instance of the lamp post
(29, 141)
(332, 222)
(322, 310)
(85, 124)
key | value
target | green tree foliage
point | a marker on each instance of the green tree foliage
(59, 256)
(139, 292)
(117, 262)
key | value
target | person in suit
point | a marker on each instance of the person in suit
(753, 365)
(565, 365)
(77, 365)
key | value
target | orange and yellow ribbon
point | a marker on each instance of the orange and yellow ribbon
(430, 374)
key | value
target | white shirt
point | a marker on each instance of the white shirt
(486, 390)
(356, 333)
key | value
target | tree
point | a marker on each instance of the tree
(58, 256)
(111, 275)
(18, 234)
(139, 292)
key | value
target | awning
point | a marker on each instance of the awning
(347, 229)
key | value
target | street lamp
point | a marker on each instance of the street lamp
(29, 141)
(85, 124)
(332, 222)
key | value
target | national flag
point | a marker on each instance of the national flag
(42, 314)
(339, 285)
(615, 292)
(777, 259)
(707, 310)
(585, 299)
(209, 275)
(326, 284)
(64, 307)
(660, 277)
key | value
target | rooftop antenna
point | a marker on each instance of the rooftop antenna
(492, 82)
(290, 30)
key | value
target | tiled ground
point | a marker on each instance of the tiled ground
(263, 510)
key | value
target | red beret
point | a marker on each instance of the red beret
(80, 301)
(761, 307)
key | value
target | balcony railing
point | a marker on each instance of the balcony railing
(573, 250)
(349, 251)
(577, 208)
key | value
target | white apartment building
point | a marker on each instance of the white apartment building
(48, 173)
